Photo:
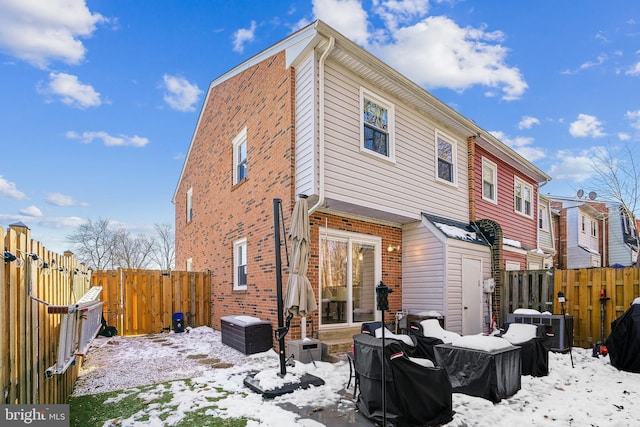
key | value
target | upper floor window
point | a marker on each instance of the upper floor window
(594, 229)
(543, 218)
(523, 198)
(240, 157)
(489, 181)
(190, 204)
(582, 223)
(377, 125)
(446, 154)
(240, 264)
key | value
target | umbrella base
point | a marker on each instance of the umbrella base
(303, 382)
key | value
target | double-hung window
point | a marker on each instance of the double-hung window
(189, 204)
(543, 218)
(377, 125)
(240, 156)
(240, 264)
(523, 198)
(489, 181)
(446, 154)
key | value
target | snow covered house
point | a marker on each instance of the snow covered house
(377, 156)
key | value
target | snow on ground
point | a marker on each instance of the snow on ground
(591, 393)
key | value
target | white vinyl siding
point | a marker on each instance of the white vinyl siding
(306, 131)
(405, 188)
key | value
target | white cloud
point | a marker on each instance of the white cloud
(32, 211)
(527, 122)
(9, 189)
(346, 16)
(39, 32)
(601, 59)
(623, 136)
(108, 140)
(586, 126)
(521, 145)
(436, 52)
(180, 94)
(634, 118)
(71, 91)
(395, 12)
(574, 167)
(634, 71)
(242, 36)
(59, 199)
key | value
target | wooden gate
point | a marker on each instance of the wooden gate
(143, 301)
(526, 289)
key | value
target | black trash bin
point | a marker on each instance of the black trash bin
(178, 322)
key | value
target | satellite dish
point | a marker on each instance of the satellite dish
(592, 195)
(580, 193)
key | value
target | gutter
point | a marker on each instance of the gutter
(321, 144)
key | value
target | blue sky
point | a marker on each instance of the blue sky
(100, 98)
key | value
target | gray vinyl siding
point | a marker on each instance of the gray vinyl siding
(406, 187)
(423, 264)
(457, 250)
(619, 251)
(306, 129)
(432, 272)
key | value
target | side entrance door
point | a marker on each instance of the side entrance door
(471, 296)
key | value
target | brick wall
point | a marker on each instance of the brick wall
(259, 98)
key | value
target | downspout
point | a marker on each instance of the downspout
(320, 201)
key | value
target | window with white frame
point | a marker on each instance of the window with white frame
(543, 218)
(582, 223)
(523, 198)
(240, 156)
(377, 125)
(446, 153)
(240, 264)
(594, 228)
(189, 265)
(489, 181)
(189, 204)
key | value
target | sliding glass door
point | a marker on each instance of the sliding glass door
(350, 270)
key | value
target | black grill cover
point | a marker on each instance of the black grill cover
(492, 375)
(416, 396)
(623, 344)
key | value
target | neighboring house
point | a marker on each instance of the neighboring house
(377, 156)
(580, 227)
(546, 231)
(504, 189)
(622, 237)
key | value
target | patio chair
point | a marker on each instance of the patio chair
(432, 328)
(535, 341)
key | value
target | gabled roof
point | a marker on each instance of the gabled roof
(456, 229)
(372, 69)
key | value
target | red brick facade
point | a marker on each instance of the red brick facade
(261, 99)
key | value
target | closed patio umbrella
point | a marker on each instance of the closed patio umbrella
(299, 298)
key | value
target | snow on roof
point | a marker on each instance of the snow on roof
(590, 250)
(456, 232)
(510, 242)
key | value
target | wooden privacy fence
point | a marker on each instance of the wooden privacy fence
(582, 292)
(143, 301)
(538, 289)
(29, 335)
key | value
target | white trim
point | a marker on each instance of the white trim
(389, 106)
(189, 264)
(524, 185)
(488, 163)
(237, 141)
(439, 135)
(189, 207)
(238, 244)
(349, 237)
(511, 266)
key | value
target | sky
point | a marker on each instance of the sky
(580, 390)
(100, 98)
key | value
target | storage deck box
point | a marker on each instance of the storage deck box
(246, 334)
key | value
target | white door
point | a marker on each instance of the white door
(471, 296)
